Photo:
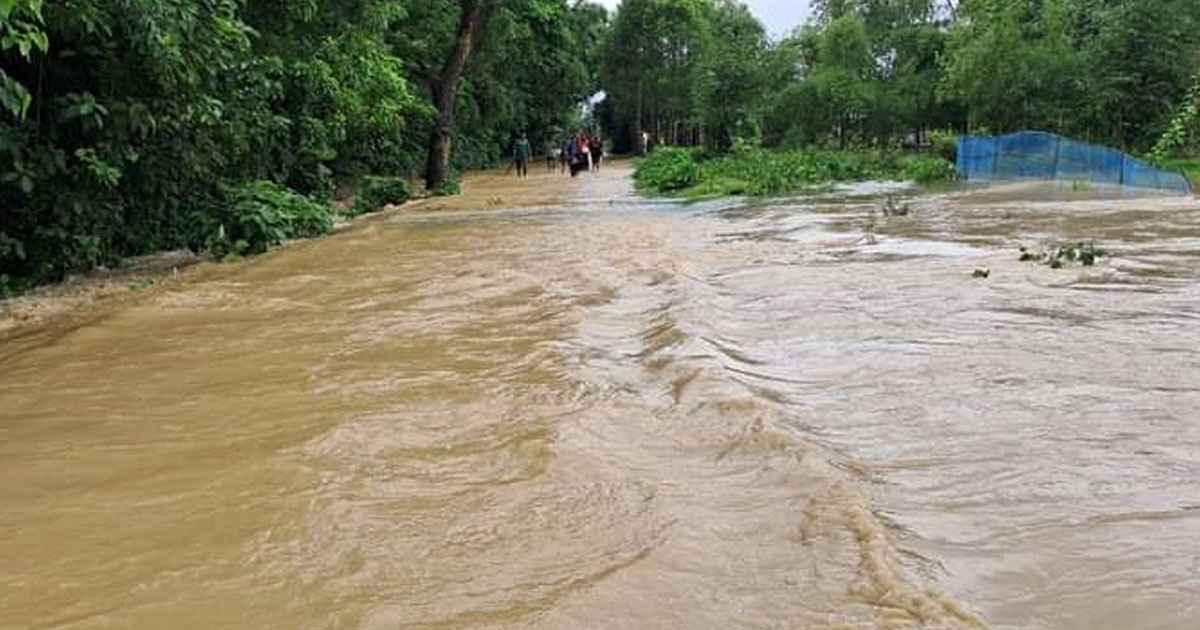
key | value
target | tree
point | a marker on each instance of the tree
(343, 92)
(472, 25)
(652, 62)
(1137, 58)
(734, 75)
(1013, 66)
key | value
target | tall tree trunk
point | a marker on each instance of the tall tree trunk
(471, 27)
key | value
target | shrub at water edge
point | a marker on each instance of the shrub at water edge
(258, 216)
(374, 193)
(762, 172)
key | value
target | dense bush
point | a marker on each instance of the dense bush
(452, 186)
(944, 144)
(376, 192)
(667, 170)
(926, 169)
(258, 216)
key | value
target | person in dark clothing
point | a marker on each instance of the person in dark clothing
(521, 151)
(564, 158)
(597, 149)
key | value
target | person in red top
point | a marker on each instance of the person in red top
(580, 157)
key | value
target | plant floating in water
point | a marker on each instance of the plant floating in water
(1084, 252)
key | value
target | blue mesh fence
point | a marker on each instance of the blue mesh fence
(1039, 155)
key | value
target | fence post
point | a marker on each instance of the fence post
(1057, 151)
(995, 146)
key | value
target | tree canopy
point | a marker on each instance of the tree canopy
(870, 72)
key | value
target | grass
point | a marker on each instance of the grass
(760, 172)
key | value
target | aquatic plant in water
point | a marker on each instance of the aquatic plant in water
(1083, 252)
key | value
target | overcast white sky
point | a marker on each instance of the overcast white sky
(779, 16)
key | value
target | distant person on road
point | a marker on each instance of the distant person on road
(597, 150)
(584, 150)
(564, 158)
(580, 158)
(551, 155)
(521, 152)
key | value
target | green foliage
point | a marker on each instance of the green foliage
(928, 168)
(944, 144)
(128, 131)
(733, 77)
(376, 192)
(451, 186)
(1013, 66)
(656, 61)
(21, 30)
(873, 74)
(258, 216)
(1108, 71)
(1184, 132)
(1085, 253)
(762, 172)
(667, 170)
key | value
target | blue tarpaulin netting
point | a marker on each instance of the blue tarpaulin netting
(1046, 156)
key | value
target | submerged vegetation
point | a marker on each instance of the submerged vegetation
(761, 172)
(1085, 253)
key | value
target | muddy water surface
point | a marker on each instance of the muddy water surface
(612, 413)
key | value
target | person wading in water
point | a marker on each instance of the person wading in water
(597, 150)
(564, 156)
(551, 155)
(579, 154)
(521, 153)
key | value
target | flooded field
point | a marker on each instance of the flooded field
(615, 413)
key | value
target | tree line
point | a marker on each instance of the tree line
(871, 73)
(128, 127)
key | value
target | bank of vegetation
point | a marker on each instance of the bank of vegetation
(228, 125)
(879, 77)
(760, 172)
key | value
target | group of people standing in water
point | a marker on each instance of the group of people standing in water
(580, 152)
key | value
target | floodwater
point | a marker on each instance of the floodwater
(621, 414)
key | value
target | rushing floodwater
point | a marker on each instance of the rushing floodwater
(629, 415)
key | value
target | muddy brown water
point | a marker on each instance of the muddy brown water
(618, 413)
